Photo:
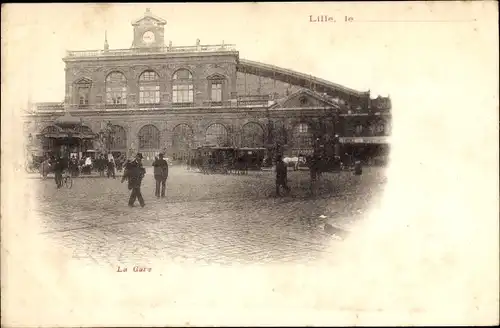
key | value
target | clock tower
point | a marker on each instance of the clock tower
(149, 31)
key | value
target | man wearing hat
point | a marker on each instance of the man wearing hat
(161, 174)
(134, 173)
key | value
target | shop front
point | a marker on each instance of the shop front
(369, 150)
(67, 138)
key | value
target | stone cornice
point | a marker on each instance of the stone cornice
(150, 56)
(229, 111)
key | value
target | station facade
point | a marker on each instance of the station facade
(158, 97)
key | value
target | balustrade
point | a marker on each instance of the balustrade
(154, 50)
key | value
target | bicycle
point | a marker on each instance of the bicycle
(67, 180)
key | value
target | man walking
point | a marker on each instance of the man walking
(281, 176)
(134, 173)
(58, 171)
(161, 174)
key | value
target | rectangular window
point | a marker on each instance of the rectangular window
(83, 95)
(216, 92)
(149, 94)
(182, 93)
(116, 96)
(303, 128)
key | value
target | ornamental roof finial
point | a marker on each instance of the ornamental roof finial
(106, 45)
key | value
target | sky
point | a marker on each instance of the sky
(378, 51)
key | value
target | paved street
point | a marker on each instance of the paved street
(205, 218)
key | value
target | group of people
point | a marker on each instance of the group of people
(134, 173)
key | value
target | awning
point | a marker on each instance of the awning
(365, 140)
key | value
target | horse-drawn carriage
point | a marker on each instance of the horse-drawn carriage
(226, 160)
(33, 165)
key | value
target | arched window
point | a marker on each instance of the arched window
(149, 137)
(216, 134)
(302, 136)
(149, 88)
(252, 135)
(119, 140)
(116, 89)
(182, 87)
(182, 141)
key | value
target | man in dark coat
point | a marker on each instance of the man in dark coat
(134, 173)
(111, 168)
(161, 174)
(58, 171)
(281, 175)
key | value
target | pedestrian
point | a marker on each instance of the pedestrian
(134, 173)
(58, 172)
(281, 176)
(161, 174)
(358, 169)
(101, 164)
(111, 166)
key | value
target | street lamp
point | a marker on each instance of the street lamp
(106, 135)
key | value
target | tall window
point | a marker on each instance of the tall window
(116, 89)
(217, 135)
(182, 87)
(215, 87)
(82, 87)
(149, 88)
(302, 136)
(358, 130)
(216, 91)
(149, 137)
(83, 94)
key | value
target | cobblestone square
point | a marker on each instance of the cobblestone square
(226, 219)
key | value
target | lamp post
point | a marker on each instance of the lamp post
(106, 136)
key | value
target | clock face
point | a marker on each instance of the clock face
(148, 37)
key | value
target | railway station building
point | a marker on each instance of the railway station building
(156, 97)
